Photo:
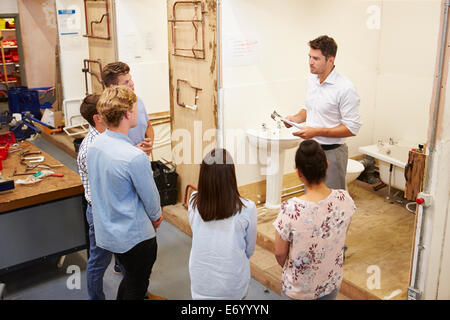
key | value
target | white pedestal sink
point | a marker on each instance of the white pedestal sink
(273, 142)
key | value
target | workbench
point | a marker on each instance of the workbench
(43, 220)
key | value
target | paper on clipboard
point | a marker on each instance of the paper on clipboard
(276, 116)
(294, 124)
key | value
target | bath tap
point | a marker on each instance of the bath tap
(391, 141)
(264, 127)
(380, 143)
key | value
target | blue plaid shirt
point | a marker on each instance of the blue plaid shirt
(82, 161)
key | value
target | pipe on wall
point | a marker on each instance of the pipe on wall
(419, 247)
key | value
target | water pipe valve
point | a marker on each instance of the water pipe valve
(424, 199)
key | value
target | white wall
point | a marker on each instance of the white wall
(276, 76)
(434, 268)
(9, 6)
(372, 37)
(142, 44)
(407, 58)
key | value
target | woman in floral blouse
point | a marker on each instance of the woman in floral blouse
(311, 231)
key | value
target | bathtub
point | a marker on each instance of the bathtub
(387, 155)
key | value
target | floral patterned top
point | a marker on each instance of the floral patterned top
(316, 232)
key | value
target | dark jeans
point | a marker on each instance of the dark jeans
(138, 263)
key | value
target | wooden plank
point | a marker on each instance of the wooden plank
(177, 216)
(188, 126)
(99, 49)
(354, 292)
(260, 263)
(49, 189)
(415, 174)
(39, 38)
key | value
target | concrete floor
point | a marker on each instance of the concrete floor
(170, 276)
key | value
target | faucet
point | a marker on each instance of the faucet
(279, 125)
(264, 127)
(391, 141)
(380, 143)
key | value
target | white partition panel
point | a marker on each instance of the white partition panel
(73, 47)
(142, 44)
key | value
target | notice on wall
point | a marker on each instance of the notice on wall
(69, 21)
(240, 50)
(134, 46)
(69, 27)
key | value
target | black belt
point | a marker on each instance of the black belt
(330, 146)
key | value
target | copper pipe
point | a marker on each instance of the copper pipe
(86, 70)
(194, 51)
(186, 193)
(178, 92)
(90, 35)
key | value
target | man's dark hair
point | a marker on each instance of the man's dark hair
(311, 161)
(88, 108)
(325, 44)
(218, 196)
(112, 71)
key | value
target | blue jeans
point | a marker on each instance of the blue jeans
(98, 262)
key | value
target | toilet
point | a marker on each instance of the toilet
(354, 169)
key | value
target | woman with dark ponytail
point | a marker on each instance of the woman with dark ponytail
(311, 231)
(223, 232)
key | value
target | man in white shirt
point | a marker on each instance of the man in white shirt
(331, 110)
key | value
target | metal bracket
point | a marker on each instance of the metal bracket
(413, 294)
(90, 34)
(196, 53)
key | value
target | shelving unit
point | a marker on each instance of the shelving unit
(13, 63)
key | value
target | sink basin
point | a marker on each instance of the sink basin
(274, 142)
(283, 138)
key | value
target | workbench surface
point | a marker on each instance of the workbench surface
(49, 189)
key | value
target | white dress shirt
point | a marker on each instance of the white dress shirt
(330, 104)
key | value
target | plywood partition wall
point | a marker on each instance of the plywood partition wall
(38, 30)
(100, 49)
(193, 85)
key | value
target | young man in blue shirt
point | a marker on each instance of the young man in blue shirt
(125, 201)
(118, 74)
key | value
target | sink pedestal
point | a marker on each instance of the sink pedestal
(273, 142)
(274, 180)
